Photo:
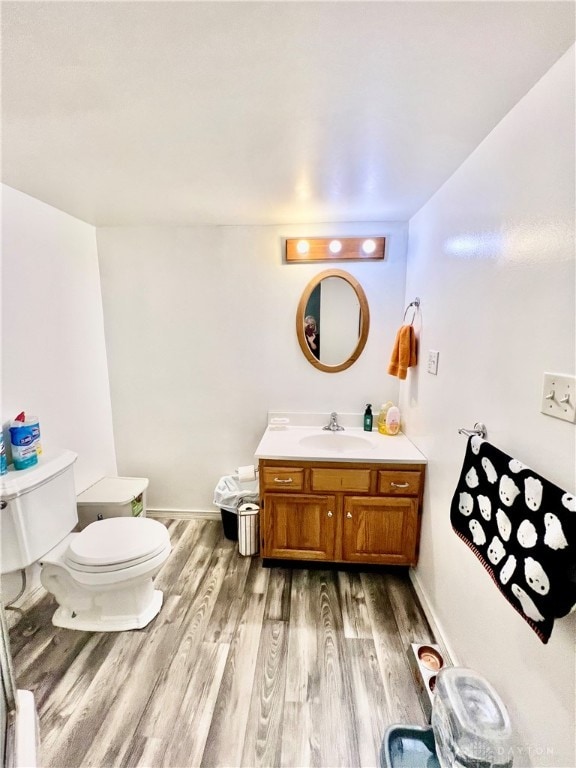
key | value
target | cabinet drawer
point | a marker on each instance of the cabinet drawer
(283, 478)
(340, 480)
(392, 483)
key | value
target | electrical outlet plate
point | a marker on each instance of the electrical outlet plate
(433, 361)
(559, 396)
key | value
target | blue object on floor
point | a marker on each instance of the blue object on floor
(408, 746)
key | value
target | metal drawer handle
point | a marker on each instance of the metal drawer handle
(349, 515)
(329, 514)
(288, 480)
(399, 485)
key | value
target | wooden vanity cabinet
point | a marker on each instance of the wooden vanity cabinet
(354, 513)
(301, 526)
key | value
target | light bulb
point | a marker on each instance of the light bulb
(368, 246)
(335, 246)
(303, 246)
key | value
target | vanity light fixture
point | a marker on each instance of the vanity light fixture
(335, 246)
(369, 246)
(335, 249)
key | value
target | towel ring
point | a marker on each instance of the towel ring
(416, 306)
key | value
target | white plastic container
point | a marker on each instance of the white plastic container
(471, 724)
(112, 497)
(248, 529)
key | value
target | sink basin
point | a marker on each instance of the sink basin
(336, 442)
(307, 441)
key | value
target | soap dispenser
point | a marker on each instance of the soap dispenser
(382, 417)
(368, 418)
(393, 420)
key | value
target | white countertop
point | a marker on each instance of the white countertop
(353, 444)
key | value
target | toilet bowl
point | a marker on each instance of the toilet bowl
(102, 577)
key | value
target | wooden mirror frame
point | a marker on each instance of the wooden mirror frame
(364, 321)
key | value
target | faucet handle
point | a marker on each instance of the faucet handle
(333, 423)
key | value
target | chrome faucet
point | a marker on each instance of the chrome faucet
(333, 426)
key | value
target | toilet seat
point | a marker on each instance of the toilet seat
(116, 544)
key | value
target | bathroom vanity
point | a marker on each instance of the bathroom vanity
(351, 496)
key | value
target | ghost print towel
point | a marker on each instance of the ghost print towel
(523, 530)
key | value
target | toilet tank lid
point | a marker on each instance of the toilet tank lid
(113, 490)
(17, 482)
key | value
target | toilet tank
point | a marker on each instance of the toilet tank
(38, 509)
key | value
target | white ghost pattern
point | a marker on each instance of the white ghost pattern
(475, 444)
(527, 604)
(466, 504)
(535, 576)
(488, 467)
(471, 478)
(526, 534)
(508, 490)
(516, 466)
(554, 536)
(496, 551)
(485, 506)
(478, 535)
(533, 493)
(504, 524)
(569, 502)
(508, 569)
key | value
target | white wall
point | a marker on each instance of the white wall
(53, 353)
(201, 337)
(492, 257)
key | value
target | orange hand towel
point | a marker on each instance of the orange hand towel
(404, 354)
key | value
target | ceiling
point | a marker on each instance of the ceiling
(127, 113)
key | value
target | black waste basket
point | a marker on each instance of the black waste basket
(229, 494)
(230, 523)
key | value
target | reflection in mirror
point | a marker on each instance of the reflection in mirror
(332, 321)
(333, 315)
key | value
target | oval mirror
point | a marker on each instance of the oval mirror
(332, 321)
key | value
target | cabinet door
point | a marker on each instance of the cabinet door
(380, 530)
(298, 526)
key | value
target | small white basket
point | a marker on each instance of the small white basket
(112, 497)
(248, 528)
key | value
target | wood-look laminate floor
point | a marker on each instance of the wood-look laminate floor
(244, 666)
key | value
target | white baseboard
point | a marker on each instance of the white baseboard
(183, 514)
(430, 614)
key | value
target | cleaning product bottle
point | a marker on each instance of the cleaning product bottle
(382, 417)
(3, 464)
(34, 424)
(393, 420)
(24, 437)
(368, 418)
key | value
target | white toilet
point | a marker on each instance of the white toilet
(100, 577)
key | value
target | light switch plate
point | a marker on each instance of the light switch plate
(433, 361)
(559, 396)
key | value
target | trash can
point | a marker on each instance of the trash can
(112, 497)
(248, 528)
(229, 494)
